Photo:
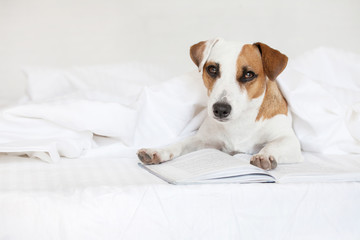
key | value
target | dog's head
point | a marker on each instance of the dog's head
(236, 75)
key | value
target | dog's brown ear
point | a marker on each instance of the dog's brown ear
(200, 52)
(196, 52)
(274, 62)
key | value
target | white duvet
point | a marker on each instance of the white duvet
(127, 102)
(322, 88)
(138, 106)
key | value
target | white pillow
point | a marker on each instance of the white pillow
(117, 79)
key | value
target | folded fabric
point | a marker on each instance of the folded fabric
(42, 139)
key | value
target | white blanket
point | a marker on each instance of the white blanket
(322, 88)
(137, 105)
(127, 102)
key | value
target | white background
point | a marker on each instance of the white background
(89, 32)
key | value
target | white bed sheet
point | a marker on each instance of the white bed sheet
(105, 195)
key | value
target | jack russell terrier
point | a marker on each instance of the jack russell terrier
(247, 112)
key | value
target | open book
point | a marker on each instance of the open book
(209, 166)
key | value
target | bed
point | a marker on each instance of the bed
(97, 81)
(68, 166)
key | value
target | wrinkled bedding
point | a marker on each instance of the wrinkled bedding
(146, 111)
(142, 107)
(322, 88)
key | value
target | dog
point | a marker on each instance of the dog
(247, 112)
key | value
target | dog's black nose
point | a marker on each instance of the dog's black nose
(221, 110)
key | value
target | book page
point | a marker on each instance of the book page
(204, 164)
(320, 168)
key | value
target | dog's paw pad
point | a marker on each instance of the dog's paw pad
(148, 157)
(263, 161)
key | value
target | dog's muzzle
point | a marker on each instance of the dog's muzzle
(221, 110)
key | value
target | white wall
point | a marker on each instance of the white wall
(79, 32)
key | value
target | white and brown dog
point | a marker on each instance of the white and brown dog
(247, 112)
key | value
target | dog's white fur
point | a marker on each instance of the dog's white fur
(271, 140)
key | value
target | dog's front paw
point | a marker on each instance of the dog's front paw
(148, 156)
(263, 161)
(151, 156)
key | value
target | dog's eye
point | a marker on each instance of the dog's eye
(247, 76)
(212, 70)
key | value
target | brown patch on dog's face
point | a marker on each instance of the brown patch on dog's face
(211, 72)
(250, 72)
